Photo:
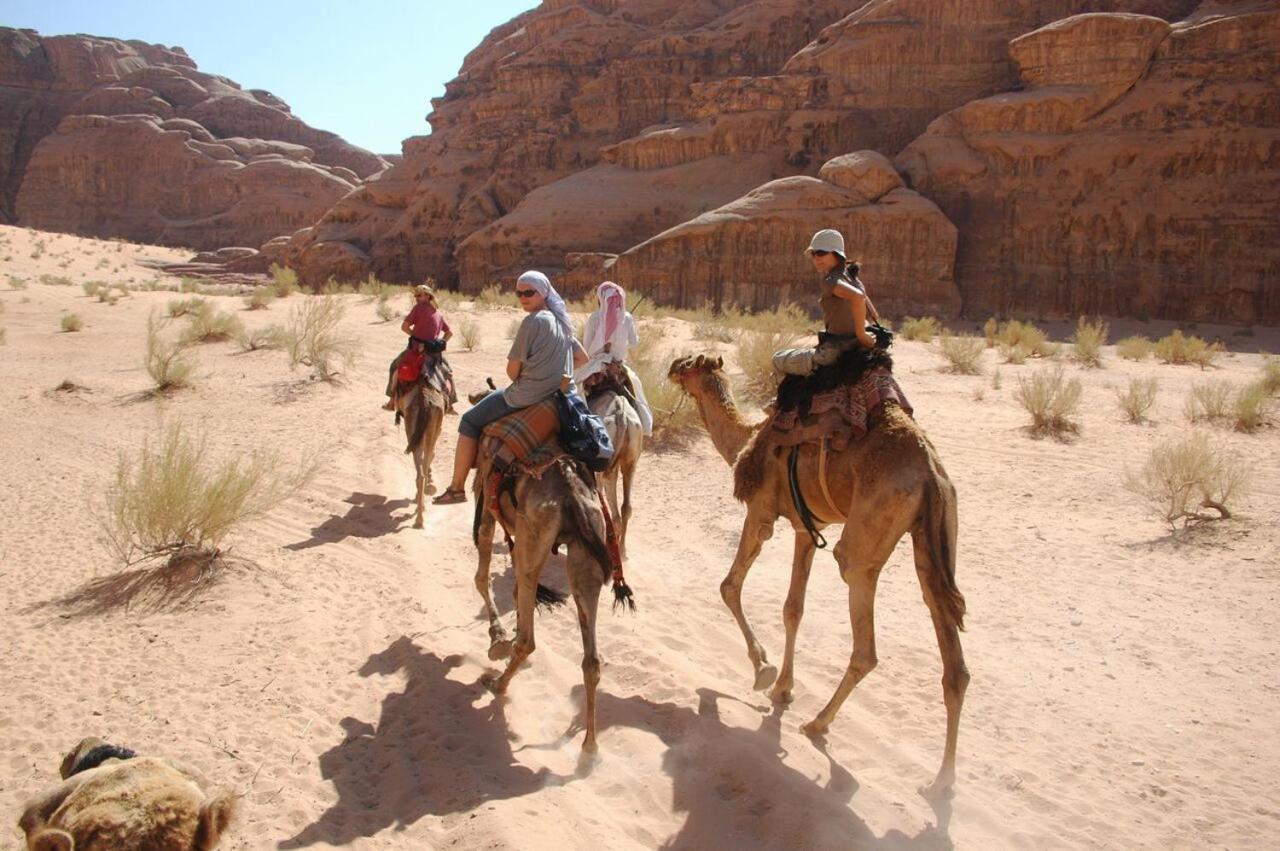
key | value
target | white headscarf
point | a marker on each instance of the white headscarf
(555, 303)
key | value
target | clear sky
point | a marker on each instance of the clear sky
(365, 70)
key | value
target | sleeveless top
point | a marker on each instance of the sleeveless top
(837, 312)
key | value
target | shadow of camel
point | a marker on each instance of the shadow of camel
(370, 516)
(431, 753)
(739, 793)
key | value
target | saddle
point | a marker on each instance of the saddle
(614, 378)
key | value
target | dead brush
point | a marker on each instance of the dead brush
(920, 330)
(755, 358)
(1183, 475)
(1088, 341)
(962, 352)
(1137, 398)
(166, 361)
(1052, 400)
(314, 337)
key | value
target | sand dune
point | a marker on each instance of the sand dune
(1124, 683)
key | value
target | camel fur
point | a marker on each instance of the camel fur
(622, 422)
(421, 408)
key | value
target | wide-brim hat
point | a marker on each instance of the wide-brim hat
(423, 289)
(827, 239)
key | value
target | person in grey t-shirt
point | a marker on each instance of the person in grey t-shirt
(544, 354)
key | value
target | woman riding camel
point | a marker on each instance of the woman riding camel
(846, 308)
(543, 355)
(609, 333)
(427, 329)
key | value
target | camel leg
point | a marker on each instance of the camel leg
(792, 611)
(586, 581)
(755, 531)
(419, 487)
(955, 674)
(533, 549)
(611, 496)
(499, 641)
(434, 427)
(861, 553)
(628, 473)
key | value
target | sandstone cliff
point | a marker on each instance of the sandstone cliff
(120, 138)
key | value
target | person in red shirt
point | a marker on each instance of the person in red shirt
(426, 326)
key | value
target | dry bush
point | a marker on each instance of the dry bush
(179, 307)
(1178, 348)
(167, 361)
(921, 330)
(106, 296)
(1271, 376)
(1088, 341)
(3, 336)
(385, 310)
(91, 288)
(674, 415)
(995, 379)
(493, 297)
(990, 329)
(71, 322)
(1183, 475)
(963, 353)
(173, 500)
(332, 287)
(17, 283)
(210, 325)
(190, 285)
(265, 337)
(1052, 400)
(259, 299)
(786, 318)
(283, 280)
(56, 281)
(1135, 348)
(755, 358)
(714, 330)
(1136, 399)
(314, 337)
(1209, 400)
(1020, 340)
(469, 330)
(1250, 405)
(374, 290)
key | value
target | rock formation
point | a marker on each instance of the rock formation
(120, 138)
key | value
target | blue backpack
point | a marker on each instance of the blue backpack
(582, 433)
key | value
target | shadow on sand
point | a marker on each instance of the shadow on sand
(370, 516)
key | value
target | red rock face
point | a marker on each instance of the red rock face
(120, 138)
(1137, 173)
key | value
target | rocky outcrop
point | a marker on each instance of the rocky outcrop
(203, 162)
(1136, 173)
(750, 252)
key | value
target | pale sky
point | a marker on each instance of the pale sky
(366, 71)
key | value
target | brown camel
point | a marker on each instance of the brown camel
(421, 407)
(556, 505)
(886, 484)
(627, 435)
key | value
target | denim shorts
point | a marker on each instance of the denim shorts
(489, 409)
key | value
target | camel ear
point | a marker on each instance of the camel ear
(719, 363)
(215, 815)
(52, 839)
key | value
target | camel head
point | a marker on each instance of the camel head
(691, 371)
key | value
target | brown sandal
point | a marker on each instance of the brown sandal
(451, 496)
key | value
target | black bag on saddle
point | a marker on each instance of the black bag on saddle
(583, 434)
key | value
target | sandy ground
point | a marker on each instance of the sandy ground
(1124, 687)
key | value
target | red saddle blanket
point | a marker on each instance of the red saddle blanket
(841, 413)
(515, 437)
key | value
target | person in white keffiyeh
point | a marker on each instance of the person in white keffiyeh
(609, 333)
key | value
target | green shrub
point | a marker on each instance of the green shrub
(71, 322)
(1271, 376)
(1023, 340)
(284, 280)
(755, 358)
(1250, 406)
(1052, 400)
(1185, 474)
(1088, 341)
(921, 330)
(166, 361)
(265, 337)
(1178, 348)
(314, 337)
(56, 281)
(179, 307)
(1136, 399)
(1209, 400)
(1135, 348)
(91, 288)
(963, 353)
(260, 298)
(210, 325)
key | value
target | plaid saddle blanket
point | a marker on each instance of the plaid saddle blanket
(841, 413)
(515, 438)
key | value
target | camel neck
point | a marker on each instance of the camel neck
(729, 431)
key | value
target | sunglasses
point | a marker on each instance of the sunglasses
(819, 253)
(526, 293)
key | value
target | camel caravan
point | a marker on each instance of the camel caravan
(555, 453)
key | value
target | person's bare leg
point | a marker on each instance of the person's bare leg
(463, 459)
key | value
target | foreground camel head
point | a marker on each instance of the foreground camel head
(110, 800)
(687, 370)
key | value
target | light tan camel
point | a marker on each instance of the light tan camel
(421, 407)
(556, 506)
(622, 422)
(110, 800)
(885, 485)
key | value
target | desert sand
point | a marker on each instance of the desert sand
(1124, 688)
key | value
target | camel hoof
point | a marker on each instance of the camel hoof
(814, 729)
(493, 682)
(941, 789)
(589, 746)
(765, 677)
(417, 522)
(781, 696)
(500, 649)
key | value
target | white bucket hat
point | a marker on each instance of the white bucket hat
(827, 240)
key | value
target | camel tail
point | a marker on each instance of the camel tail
(549, 598)
(940, 525)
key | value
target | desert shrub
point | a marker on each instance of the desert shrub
(385, 310)
(755, 358)
(1088, 341)
(190, 285)
(469, 331)
(259, 299)
(314, 337)
(921, 330)
(996, 379)
(1137, 398)
(1051, 399)
(1209, 400)
(1183, 475)
(264, 337)
(173, 499)
(786, 318)
(71, 322)
(1249, 406)
(3, 336)
(91, 288)
(106, 295)
(493, 297)
(210, 325)
(1177, 348)
(167, 361)
(674, 415)
(712, 329)
(283, 280)
(18, 283)
(1271, 376)
(990, 329)
(1020, 340)
(963, 353)
(179, 307)
(1135, 348)
(56, 281)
